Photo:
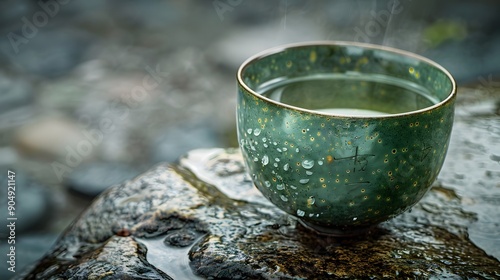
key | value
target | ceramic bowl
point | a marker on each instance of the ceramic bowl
(343, 135)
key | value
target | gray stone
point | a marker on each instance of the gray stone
(53, 138)
(179, 139)
(32, 202)
(93, 178)
(30, 248)
(203, 218)
(47, 53)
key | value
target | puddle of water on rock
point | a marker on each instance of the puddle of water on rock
(174, 261)
(472, 171)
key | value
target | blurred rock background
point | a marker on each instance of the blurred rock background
(95, 92)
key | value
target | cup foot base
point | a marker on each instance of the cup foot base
(327, 231)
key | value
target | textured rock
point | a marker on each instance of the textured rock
(202, 218)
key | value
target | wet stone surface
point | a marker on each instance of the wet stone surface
(202, 218)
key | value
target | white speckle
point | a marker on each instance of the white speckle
(255, 159)
(304, 181)
(267, 183)
(300, 213)
(278, 149)
(293, 187)
(309, 173)
(242, 142)
(280, 187)
(308, 129)
(265, 160)
(274, 143)
(320, 162)
(265, 145)
(283, 198)
(317, 215)
(312, 214)
(256, 132)
(249, 131)
(354, 219)
(284, 149)
(286, 166)
(275, 164)
(273, 172)
(297, 150)
(277, 159)
(264, 139)
(307, 164)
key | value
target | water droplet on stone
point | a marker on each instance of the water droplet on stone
(265, 145)
(297, 150)
(311, 200)
(267, 183)
(286, 166)
(277, 159)
(304, 181)
(255, 159)
(309, 173)
(249, 131)
(275, 164)
(256, 132)
(293, 187)
(320, 162)
(284, 198)
(300, 213)
(307, 164)
(264, 139)
(280, 187)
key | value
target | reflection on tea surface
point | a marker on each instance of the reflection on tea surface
(356, 95)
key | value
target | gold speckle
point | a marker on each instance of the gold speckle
(329, 159)
(289, 64)
(310, 201)
(265, 109)
(363, 60)
(411, 70)
(312, 57)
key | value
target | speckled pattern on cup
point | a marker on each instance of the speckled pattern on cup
(339, 172)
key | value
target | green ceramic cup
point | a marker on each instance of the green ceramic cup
(343, 135)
